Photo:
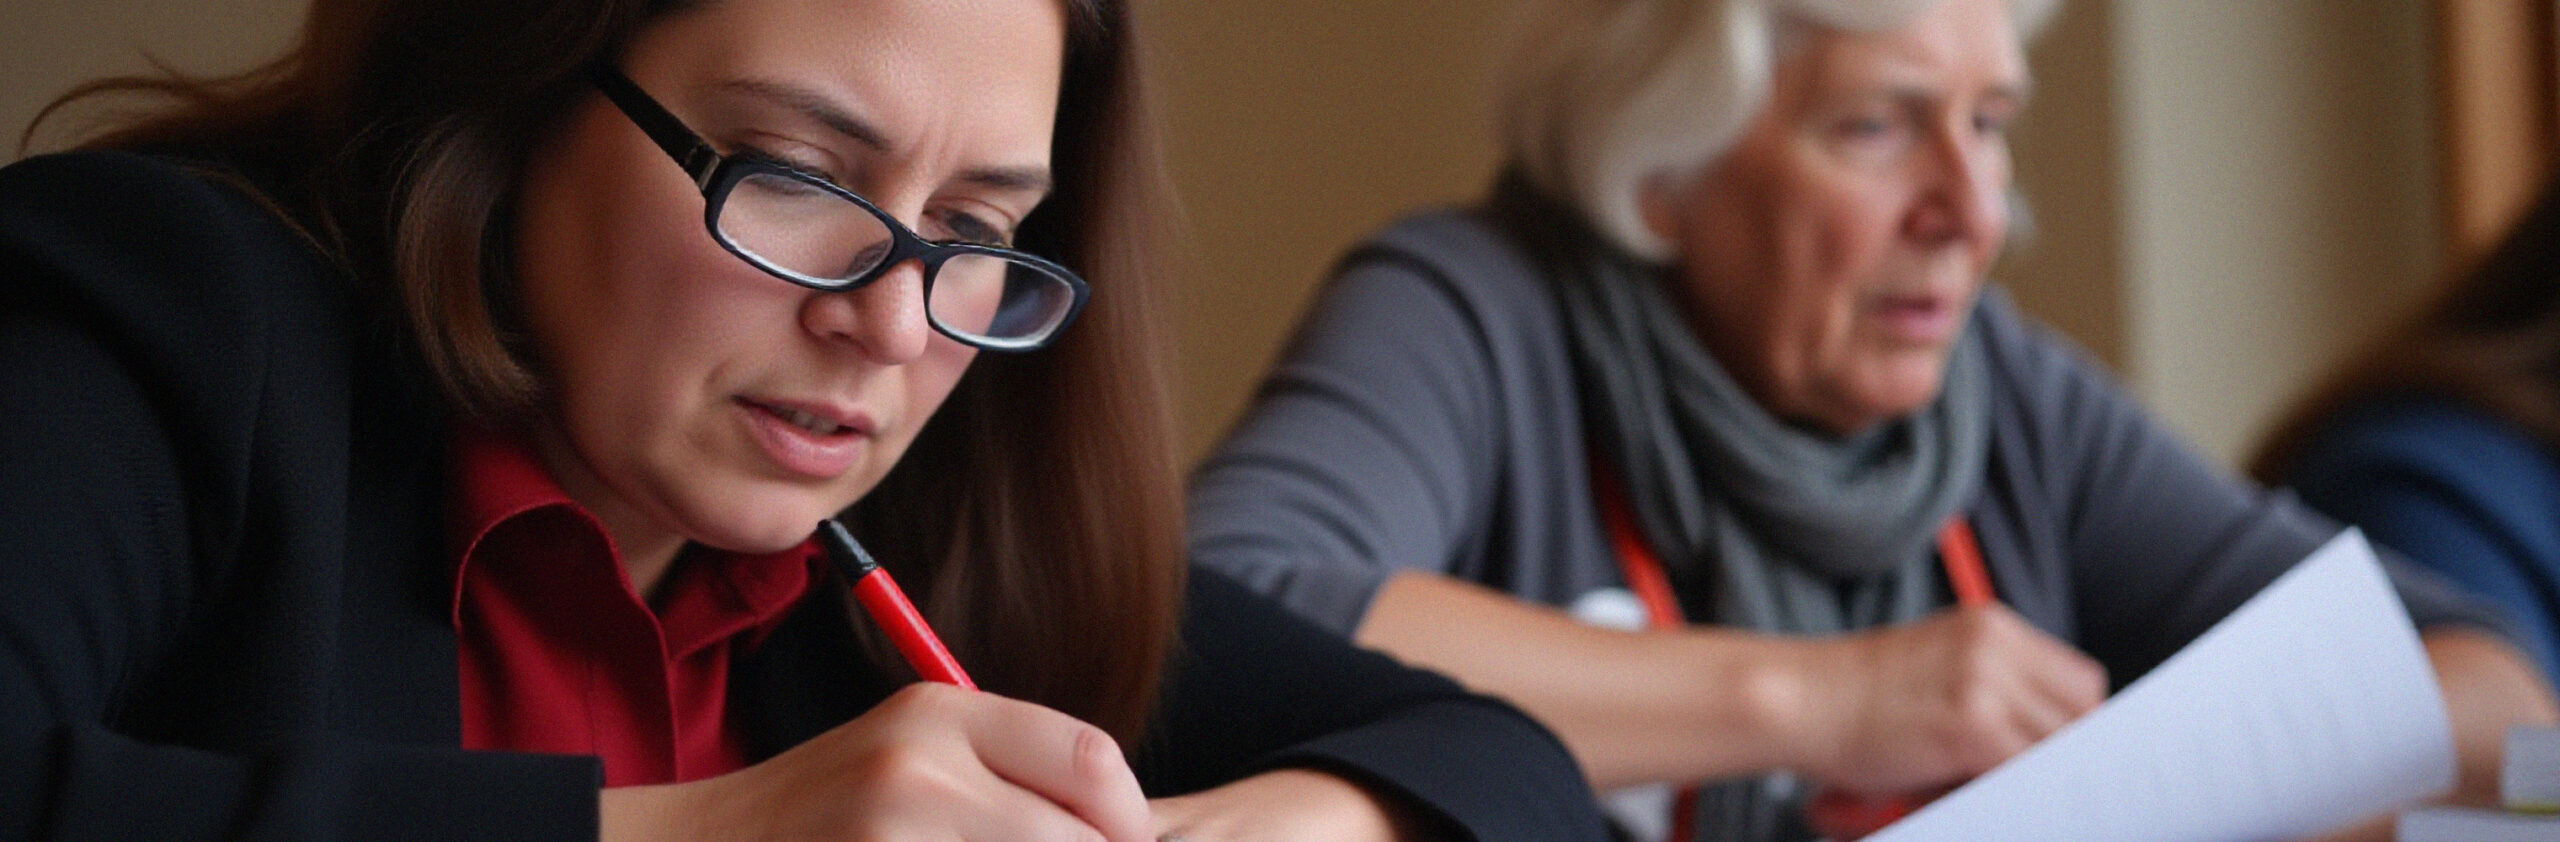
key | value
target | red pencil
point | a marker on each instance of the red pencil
(1963, 558)
(889, 608)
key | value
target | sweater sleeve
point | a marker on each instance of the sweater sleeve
(2161, 543)
(1372, 447)
(123, 326)
(2459, 493)
(1257, 688)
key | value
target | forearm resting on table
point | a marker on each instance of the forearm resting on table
(1290, 804)
(2488, 686)
(1633, 707)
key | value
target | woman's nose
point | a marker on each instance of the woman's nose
(1966, 195)
(884, 320)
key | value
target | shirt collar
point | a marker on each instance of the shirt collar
(498, 478)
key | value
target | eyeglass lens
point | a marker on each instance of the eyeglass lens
(808, 231)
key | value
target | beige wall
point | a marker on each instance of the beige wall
(1295, 127)
(2276, 193)
(47, 46)
(2226, 193)
(2065, 265)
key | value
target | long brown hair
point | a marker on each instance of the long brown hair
(2490, 339)
(1040, 512)
(1045, 501)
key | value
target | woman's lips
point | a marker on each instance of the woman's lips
(791, 435)
(1915, 319)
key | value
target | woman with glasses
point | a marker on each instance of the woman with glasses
(420, 438)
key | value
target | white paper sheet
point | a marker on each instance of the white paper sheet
(2309, 707)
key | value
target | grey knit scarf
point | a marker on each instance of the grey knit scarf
(1760, 524)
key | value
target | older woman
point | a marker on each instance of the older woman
(1717, 357)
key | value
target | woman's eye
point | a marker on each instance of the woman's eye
(793, 187)
(967, 228)
(807, 171)
(1865, 127)
(801, 164)
(1993, 125)
(1876, 133)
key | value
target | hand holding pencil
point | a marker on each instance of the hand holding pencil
(1914, 709)
(936, 760)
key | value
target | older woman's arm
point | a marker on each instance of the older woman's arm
(1891, 710)
(1634, 707)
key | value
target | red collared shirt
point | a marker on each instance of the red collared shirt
(559, 654)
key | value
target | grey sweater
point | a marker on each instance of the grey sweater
(1426, 417)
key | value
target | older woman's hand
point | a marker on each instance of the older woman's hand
(1928, 704)
(931, 762)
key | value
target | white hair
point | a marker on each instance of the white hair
(1602, 96)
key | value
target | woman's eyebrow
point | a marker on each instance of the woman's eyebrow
(810, 104)
(1032, 180)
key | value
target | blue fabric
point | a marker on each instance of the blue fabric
(2453, 489)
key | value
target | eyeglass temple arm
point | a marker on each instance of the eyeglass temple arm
(696, 157)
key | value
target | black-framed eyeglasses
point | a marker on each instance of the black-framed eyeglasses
(803, 228)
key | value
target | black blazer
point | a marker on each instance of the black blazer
(224, 593)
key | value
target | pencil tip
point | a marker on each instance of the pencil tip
(839, 545)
